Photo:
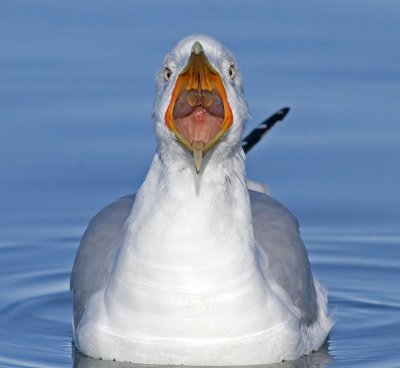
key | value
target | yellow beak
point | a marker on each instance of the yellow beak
(198, 113)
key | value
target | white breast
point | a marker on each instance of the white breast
(187, 276)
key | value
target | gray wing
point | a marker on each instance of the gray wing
(276, 232)
(277, 236)
(97, 247)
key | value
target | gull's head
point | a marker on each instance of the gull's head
(200, 105)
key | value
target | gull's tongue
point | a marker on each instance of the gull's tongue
(199, 126)
(198, 148)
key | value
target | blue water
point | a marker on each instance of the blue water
(76, 91)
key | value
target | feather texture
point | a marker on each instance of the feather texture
(196, 269)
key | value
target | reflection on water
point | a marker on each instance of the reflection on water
(317, 359)
(76, 89)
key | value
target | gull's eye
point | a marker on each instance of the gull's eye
(167, 74)
(231, 71)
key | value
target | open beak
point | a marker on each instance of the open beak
(198, 113)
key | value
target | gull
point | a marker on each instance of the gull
(196, 268)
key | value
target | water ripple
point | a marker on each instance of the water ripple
(360, 272)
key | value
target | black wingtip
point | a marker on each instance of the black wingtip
(256, 134)
(284, 111)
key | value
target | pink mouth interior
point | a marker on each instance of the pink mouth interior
(199, 125)
(198, 115)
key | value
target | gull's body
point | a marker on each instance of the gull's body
(196, 269)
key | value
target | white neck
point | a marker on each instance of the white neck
(188, 253)
(182, 219)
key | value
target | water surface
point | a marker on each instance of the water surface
(76, 91)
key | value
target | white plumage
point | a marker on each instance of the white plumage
(196, 269)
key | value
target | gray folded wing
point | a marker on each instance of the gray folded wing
(279, 243)
(98, 244)
(276, 233)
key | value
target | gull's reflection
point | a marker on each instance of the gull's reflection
(318, 359)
